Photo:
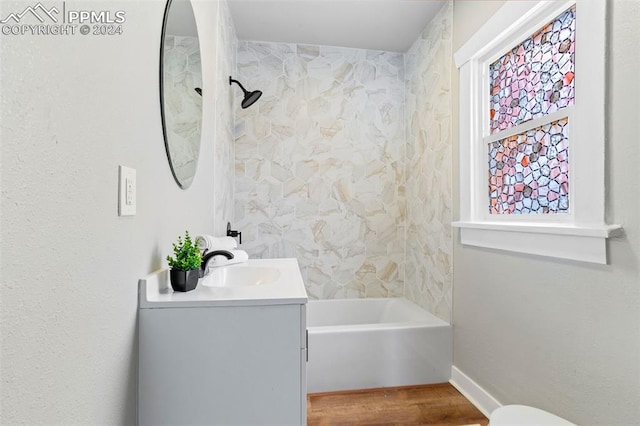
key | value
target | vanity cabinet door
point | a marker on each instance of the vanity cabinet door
(239, 365)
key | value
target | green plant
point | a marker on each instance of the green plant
(187, 255)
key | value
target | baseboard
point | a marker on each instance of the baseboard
(473, 392)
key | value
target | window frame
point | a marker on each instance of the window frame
(580, 234)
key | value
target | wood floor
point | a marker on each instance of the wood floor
(438, 404)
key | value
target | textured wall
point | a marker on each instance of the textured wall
(319, 165)
(428, 276)
(563, 336)
(73, 109)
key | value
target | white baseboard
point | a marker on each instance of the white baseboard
(473, 392)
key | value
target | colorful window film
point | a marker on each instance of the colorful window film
(536, 77)
(529, 172)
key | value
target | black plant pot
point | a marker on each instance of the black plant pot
(184, 280)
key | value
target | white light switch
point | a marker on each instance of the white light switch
(127, 191)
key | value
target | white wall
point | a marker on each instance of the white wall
(563, 336)
(73, 109)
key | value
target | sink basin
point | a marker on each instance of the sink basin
(241, 276)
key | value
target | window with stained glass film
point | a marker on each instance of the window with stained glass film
(532, 131)
(536, 77)
(529, 172)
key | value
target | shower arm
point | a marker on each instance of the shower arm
(231, 81)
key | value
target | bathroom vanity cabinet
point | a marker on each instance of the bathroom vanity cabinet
(211, 358)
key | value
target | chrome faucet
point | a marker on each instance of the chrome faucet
(208, 255)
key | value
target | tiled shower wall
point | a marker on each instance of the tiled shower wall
(345, 164)
(428, 270)
(319, 165)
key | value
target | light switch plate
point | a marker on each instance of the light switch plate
(126, 191)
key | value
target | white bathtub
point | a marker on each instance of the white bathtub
(373, 343)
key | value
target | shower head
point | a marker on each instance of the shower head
(249, 97)
(198, 91)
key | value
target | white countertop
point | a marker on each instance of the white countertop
(155, 289)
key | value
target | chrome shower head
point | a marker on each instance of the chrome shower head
(249, 97)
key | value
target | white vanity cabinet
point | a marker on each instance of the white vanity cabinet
(214, 359)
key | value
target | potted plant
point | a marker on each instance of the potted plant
(185, 266)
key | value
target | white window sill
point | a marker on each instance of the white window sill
(582, 243)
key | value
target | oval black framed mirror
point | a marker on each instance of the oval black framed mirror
(181, 90)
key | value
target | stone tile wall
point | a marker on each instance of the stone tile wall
(345, 164)
(428, 277)
(320, 165)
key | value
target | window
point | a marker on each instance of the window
(532, 131)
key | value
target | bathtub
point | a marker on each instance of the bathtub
(373, 343)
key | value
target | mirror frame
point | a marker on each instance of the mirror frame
(165, 132)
